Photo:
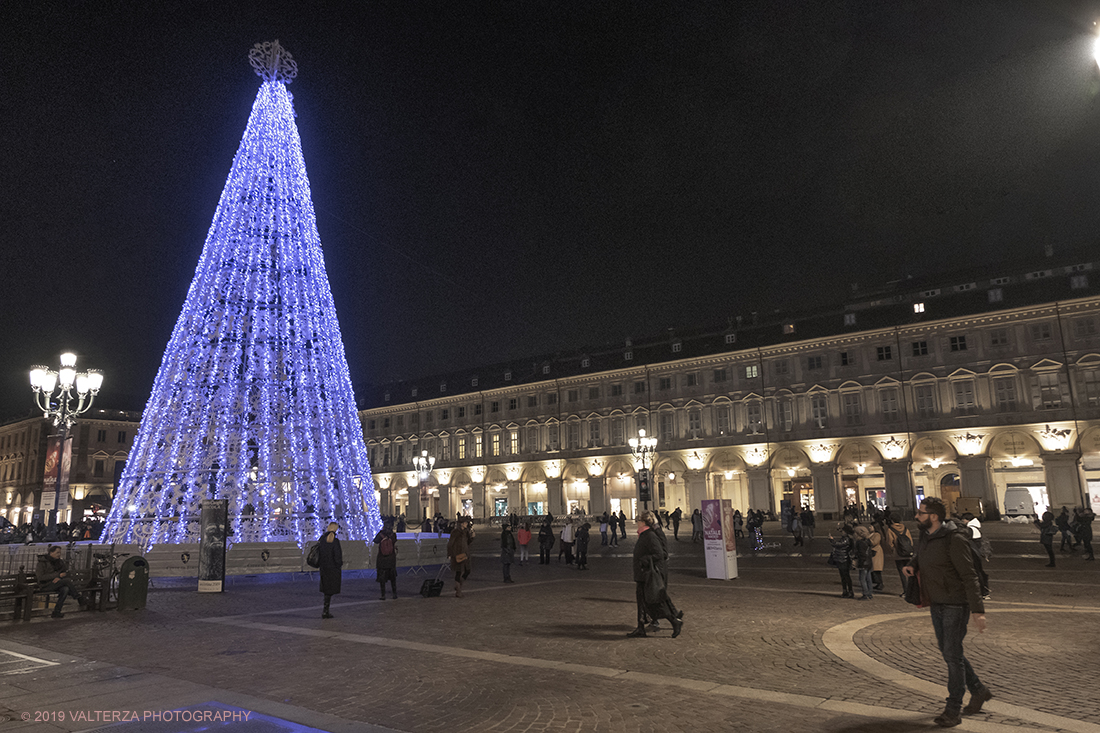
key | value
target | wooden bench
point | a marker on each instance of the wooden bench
(13, 588)
(92, 594)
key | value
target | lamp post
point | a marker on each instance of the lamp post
(58, 407)
(423, 464)
(643, 449)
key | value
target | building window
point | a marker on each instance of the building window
(628, 355)
(695, 423)
(1091, 380)
(720, 375)
(849, 319)
(1079, 282)
(477, 408)
(462, 448)
(640, 423)
(1049, 391)
(462, 412)
(1000, 281)
(926, 400)
(121, 436)
(918, 307)
(442, 386)
(786, 415)
(473, 382)
(414, 391)
(513, 403)
(101, 436)
(957, 343)
(845, 359)
(1004, 392)
(552, 435)
(752, 371)
(546, 369)
(494, 406)
(920, 348)
(593, 393)
(495, 445)
(551, 398)
(930, 293)
(103, 433)
(964, 287)
(889, 398)
(676, 347)
(507, 376)
(513, 442)
(429, 417)
(819, 410)
(532, 400)
(885, 353)
(1040, 332)
(788, 328)
(616, 390)
(753, 414)
(573, 395)
(532, 445)
(998, 337)
(639, 387)
(782, 367)
(1084, 327)
(813, 363)
(386, 397)
(573, 435)
(731, 338)
(386, 455)
(400, 421)
(722, 418)
(995, 295)
(691, 379)
(664, 383)
(666, 425)
(445, 414)
(385, 423)
(853, 408)
(585, 363)
(479, 446)
(617, 431)
(97, 470)
(593, 433)
(964, 397)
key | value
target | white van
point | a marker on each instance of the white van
(1021, 501)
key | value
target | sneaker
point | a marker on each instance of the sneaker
(977, 699)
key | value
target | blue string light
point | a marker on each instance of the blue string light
(253, 399)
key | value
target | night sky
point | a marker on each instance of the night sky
(501, 180)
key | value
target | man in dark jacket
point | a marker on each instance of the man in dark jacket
(676, 517)
(53, 575)
(650, 556)
(950, 584)
(385, 562)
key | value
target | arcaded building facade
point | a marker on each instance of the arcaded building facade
(979, 385)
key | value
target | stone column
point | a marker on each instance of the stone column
(481, 501)
(515, 497)
(555, 498)
(760, 490)
(826, 490)
(445, 501)
(1062, 473)
(597, 495)
(976, 479)
(696, 484)
(899, 486)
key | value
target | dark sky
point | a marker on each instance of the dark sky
(498, 180)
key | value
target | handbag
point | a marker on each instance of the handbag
(313, 557)
(653, 590)
(912, 590)
(461, 557)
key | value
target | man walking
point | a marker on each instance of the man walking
(943, 564)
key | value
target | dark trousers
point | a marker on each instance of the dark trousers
(846, 580)
(63, 587)
(1087, 542)
(902, 562)
(603, 537)
(387, 575)
(507, 571)
(675, 530)
(544, 555)
(979, 568)
(950, 625)
(1050, 551)
(1067, 538)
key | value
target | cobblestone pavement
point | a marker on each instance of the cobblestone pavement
(775, 650)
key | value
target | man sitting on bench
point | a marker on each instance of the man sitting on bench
(53, 577)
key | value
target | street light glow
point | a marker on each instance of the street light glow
(1096, 50)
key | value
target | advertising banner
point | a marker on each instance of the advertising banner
(718, 541)
(54, 454)
(215, 516)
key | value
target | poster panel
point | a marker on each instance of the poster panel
(215, 515)
(54, 453)
(718, 542)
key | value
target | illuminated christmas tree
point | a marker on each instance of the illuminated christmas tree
(253, 400)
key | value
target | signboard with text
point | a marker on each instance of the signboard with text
(56, 455)
(718, 541)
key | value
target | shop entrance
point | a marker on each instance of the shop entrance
(536, 508)
(500, 507)
(799, 492)
(949, 491)
(876, 498)
(626, 506)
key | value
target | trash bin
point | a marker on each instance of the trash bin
(133, 584)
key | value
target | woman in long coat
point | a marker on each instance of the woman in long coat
(332, 560)
(878, 558)
(651, 556)
(385, 565)
(458, 550)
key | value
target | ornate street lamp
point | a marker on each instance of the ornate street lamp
(423, 464)
(58, 406)
(644, 449)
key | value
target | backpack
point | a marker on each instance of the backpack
(903, 544)
(385, 547)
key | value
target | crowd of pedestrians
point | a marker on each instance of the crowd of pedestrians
(1076, 530)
